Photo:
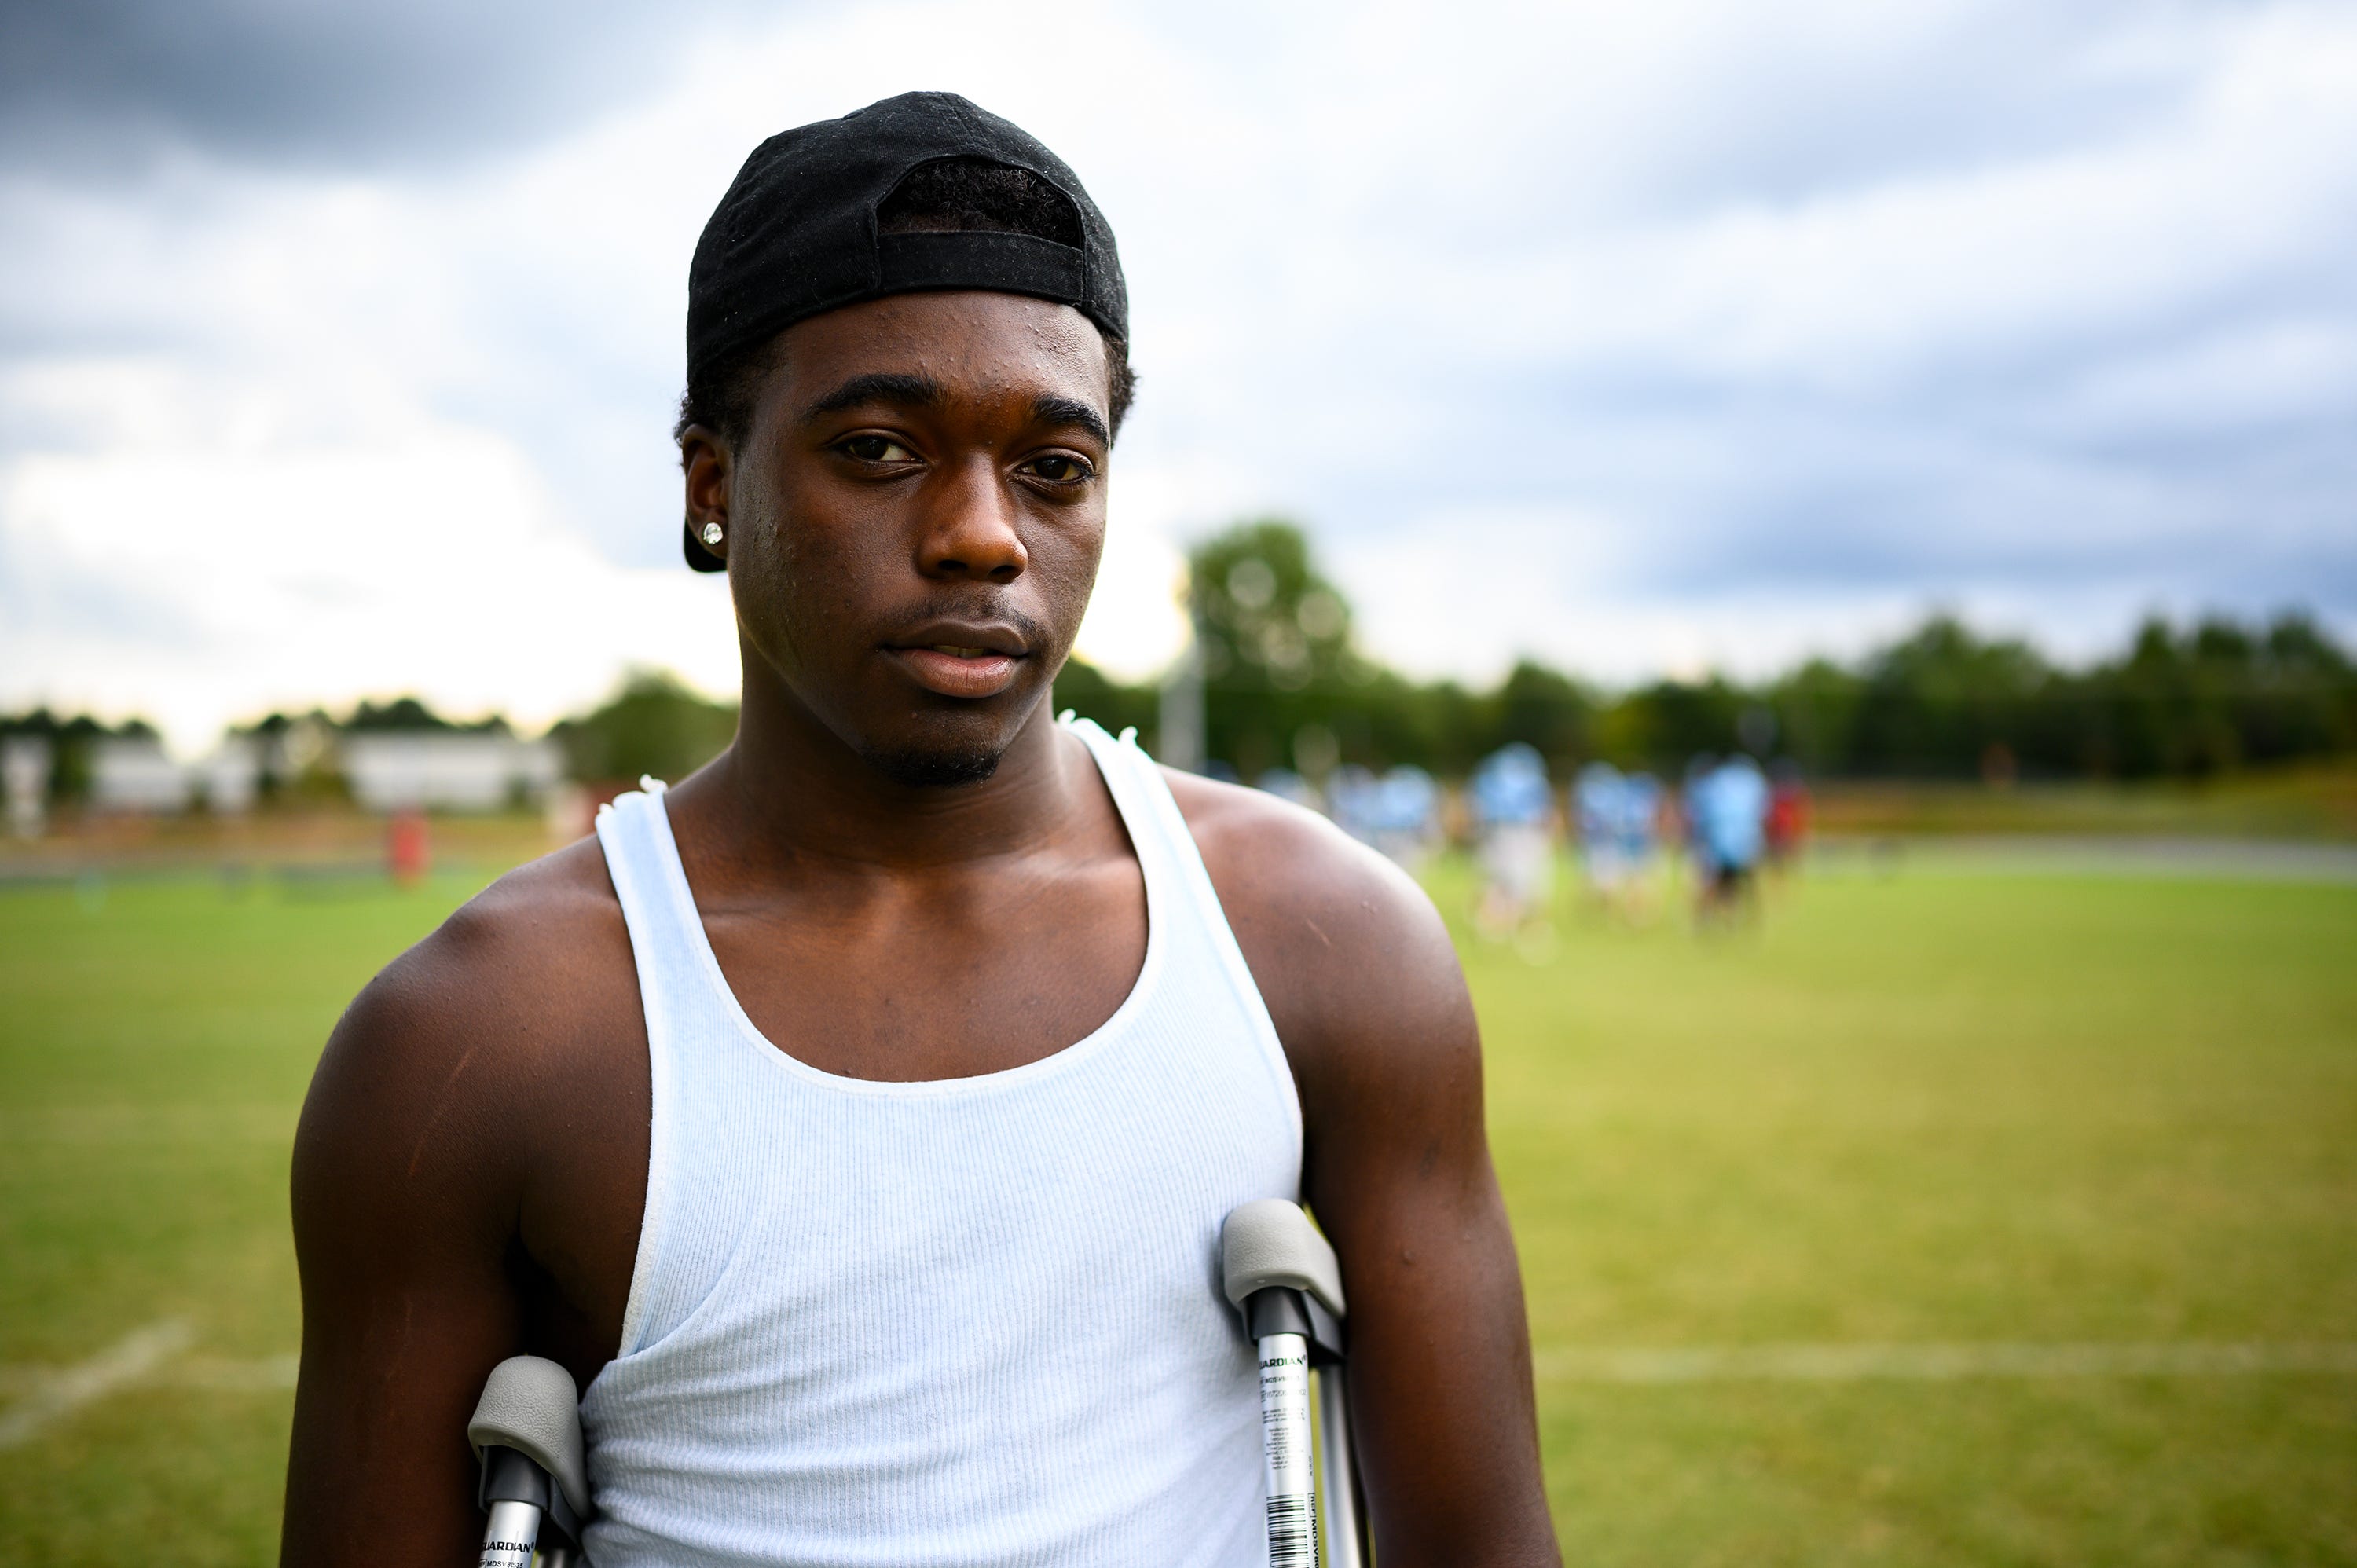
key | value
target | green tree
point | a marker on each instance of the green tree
(1092, 694)
(1545, 709)
(1267, 619)
(1663, 723)
(1940, 700)
(1816, 710)
(406, 713)
(1273, 636)
(653, 725)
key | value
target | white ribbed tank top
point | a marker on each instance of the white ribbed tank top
(971, 1321)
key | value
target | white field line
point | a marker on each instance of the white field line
(128, 1360)
(204, 1373)
(265, 1374)
(1935, 1363)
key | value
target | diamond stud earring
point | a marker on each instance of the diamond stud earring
(711, 533)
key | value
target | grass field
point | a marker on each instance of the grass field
(2097, 1136)
(2311, 801)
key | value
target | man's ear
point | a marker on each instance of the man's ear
(706, 467)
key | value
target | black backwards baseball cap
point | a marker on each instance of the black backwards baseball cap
(797, 234)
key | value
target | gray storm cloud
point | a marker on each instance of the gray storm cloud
(92, 88)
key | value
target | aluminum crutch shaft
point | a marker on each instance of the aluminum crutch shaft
(1337, 1482)
(509, 1539)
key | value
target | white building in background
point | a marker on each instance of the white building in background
(394, 769)
(132, 773)
(25, 775)
(231, 777)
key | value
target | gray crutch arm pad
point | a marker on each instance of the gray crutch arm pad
(531, 1406)
(1269, 1241)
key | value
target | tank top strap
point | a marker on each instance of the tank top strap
(1173, 863)
(634, 830)
(668, 950)
(1166, 850)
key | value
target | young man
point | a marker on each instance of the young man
(857, 1117)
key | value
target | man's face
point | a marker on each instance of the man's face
(915, 521)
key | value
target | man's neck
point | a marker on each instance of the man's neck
(789, 795)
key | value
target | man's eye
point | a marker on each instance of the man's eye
(1058, 469)
(877, 449)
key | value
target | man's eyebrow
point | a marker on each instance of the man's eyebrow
(884, 386)
(1071, 411)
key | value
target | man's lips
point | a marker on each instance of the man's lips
(956, 670)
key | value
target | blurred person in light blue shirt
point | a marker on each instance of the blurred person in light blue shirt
(1397, 814)
(1641, 819)
(1352, 801)
(1595, 797)
(1510, 788)
(1600, 803)
(1513, 810)
(1729, 810)
(1639, 835)
(1699, 767)
(1407, 816)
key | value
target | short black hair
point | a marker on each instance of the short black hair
(946, 196)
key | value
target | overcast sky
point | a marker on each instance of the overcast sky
(337, 345)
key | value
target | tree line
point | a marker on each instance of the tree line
(1285, 685)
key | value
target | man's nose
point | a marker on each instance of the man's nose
(971, 530)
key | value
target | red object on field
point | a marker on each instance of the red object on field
(1788, 818)
(407, 855)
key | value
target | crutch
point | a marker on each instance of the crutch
(1281, 1274)
(527, 1431)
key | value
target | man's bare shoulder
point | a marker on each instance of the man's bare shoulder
(1286, 859)
(546, 941)
(1343, 944)
(511, 997)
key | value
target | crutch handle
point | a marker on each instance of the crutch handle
(526, 1432)
(1270, 1243)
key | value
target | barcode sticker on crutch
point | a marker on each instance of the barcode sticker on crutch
(1292, 1534)
(1285, 1437)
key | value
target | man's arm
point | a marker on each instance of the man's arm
(403, 1207)
(1371, 1006)
(432, 1147)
